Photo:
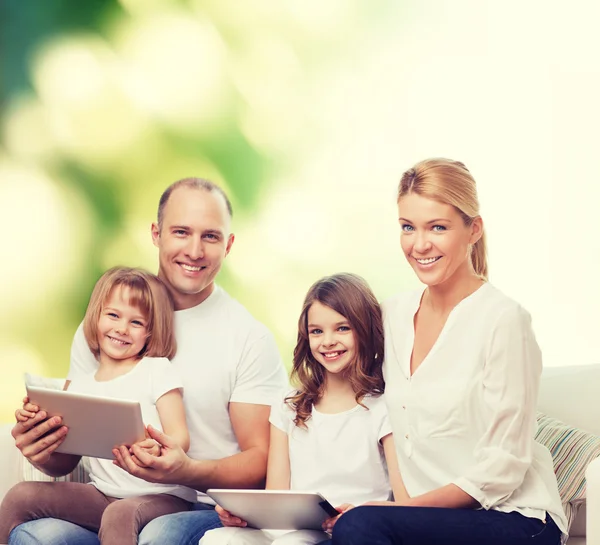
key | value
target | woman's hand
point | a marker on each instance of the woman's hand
(227, 519)
(330, 522)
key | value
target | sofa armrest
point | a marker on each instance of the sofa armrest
(592, 476)
(10, 460)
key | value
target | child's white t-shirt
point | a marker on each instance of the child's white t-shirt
(338, 455)
(147, 382)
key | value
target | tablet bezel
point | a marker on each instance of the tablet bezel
(275, 509)
(96, 424)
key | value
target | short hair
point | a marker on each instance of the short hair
(192, 183)
(349, 295)
(149, 294)
(448, 182)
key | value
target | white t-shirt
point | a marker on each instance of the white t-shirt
(223, 355)
(468, 414)
(339, 455)
(147, 382)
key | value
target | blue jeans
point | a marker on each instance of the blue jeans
(184, 528)
(171, 529)
(435, 526)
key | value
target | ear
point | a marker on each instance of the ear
(476, 230)
(230, 240)
(155, 234)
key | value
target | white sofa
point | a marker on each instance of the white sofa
(570, 394)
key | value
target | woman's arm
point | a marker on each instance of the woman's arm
(172, 417)
(278, 465)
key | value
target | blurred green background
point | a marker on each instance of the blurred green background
(306, 113)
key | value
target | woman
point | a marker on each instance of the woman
(462, 371)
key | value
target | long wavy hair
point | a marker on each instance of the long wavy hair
(350, 296)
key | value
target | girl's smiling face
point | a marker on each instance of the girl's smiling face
(331, 338)
(122, 328)
(435, 239)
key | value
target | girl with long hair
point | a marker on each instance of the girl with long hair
(331, 434)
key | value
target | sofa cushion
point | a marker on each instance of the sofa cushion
(572, 450)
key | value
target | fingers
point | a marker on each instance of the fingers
(161, 437)
(330, 522)
(37, 437)
(227, 519)
(136, 467)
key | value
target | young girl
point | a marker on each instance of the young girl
(129, 328)
(332, 435)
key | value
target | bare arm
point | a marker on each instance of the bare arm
(278, 466)
(246, 469)
(391, 458)
(172, 418)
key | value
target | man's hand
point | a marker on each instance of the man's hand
(330, 522)
(37, 437)
(170, 467)
(227, 519)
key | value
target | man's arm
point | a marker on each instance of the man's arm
(246, 469)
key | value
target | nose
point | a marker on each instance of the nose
(195, 248)
(422, 243)
(329, 338)
(122, 327)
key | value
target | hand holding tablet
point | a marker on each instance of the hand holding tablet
(276, 509)
(96, 424)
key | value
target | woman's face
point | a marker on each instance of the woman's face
(435, 240)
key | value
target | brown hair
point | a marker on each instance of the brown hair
(350, 296)
(147, 293)
(192, 183)
(448, 182)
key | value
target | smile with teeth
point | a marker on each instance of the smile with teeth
(191, 268)
(332, 355)
(428, 260)
(117, 341)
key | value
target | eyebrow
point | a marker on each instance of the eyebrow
(345, 322)
(437, 220)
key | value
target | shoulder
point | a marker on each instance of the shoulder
(499, 310)
(404, 303)
(155, 363)
(238, 318)
(375, 404)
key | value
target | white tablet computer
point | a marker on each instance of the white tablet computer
(275, 509)
(96, 424)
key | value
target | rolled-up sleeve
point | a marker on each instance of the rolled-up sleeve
(511, 378)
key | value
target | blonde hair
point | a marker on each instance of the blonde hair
(147, 293)
(448, 182)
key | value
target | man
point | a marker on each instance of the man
(227, 360)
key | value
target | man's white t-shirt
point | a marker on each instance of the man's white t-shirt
(339, 455)
(147, 382)
(467, 415)
(223, 355)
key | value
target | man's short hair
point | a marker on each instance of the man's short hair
(192, 183)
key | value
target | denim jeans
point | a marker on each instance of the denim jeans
(170, 529)
(180, 528)
(435, 526)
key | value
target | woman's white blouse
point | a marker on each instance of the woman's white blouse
(468, 414)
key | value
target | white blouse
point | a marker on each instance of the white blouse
(468, 414)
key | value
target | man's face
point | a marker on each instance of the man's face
(192, 242)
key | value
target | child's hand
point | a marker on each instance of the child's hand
(149, 446)
(27, 411)
(227, 519)
(330, 522)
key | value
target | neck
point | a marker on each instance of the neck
(183, 301)
(337, 385)
(442, 298)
